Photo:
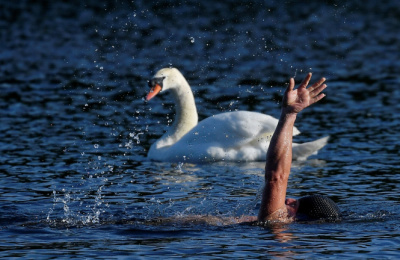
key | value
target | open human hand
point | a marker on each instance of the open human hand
(295, 100)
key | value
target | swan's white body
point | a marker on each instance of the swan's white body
(230, 136)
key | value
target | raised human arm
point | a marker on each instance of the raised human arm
(279, 155)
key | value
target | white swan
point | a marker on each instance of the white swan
(230, 136)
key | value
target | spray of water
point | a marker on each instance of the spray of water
(74, 207)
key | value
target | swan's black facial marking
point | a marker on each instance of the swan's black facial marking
(156, 81)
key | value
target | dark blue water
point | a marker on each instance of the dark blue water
(75, 130)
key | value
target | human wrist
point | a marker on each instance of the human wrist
(288, 114)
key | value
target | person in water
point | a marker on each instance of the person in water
(275, 207)
(274, 204)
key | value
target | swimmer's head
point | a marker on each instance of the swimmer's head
(317, 207)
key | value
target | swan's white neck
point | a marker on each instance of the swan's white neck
(186, 113)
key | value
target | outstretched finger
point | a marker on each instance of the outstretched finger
(314, 92)
(305, 81)
(317, 84)
(318, 98)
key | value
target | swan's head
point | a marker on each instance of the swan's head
(164, 79)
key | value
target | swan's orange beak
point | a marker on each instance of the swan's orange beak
(153, 92)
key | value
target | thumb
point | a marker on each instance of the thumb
(291, 85)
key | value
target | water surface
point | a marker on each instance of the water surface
(75, 129)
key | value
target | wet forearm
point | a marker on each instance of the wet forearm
(279, 155)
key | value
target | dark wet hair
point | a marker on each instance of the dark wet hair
(317, 207)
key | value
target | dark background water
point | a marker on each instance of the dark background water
(74, 132)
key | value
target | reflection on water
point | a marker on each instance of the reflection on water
(75, 129)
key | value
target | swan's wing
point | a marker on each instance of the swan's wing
(226, 136)
(239, 135)
(232, 129)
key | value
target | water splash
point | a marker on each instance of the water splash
(179, 167)
(135, 137)
(75, 208)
